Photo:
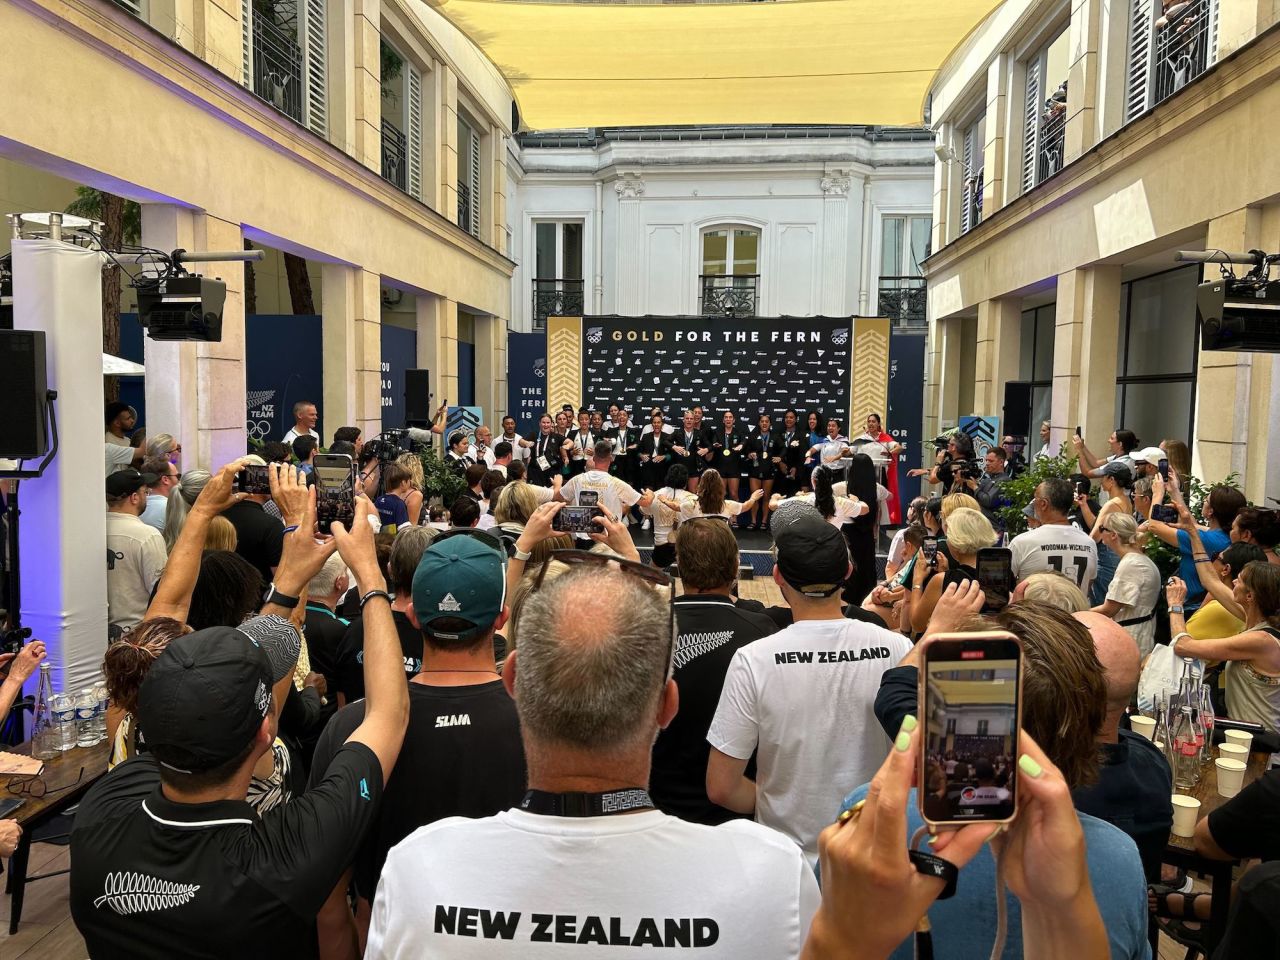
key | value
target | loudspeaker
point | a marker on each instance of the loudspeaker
(417, 398)
(23, 386)
(1017, 409)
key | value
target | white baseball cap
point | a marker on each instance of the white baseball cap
(1151, 455)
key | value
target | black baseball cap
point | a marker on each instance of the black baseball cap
(812, 555)
(204, 698)
(124, 482)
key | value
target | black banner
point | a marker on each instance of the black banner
(747, 366)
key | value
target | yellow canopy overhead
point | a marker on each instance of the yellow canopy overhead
(781, 61)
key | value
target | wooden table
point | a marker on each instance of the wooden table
(1181, 851)
(60, 772)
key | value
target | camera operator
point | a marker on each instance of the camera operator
(954, 452)
(985, 487)
(1015, 462)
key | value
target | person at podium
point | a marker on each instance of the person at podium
(883, 451)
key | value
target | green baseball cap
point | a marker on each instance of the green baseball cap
(463, 579)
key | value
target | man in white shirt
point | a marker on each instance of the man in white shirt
(586, 859)
(482, 452)
(616, 495)
(803, 697)
(135, 550)
(1056, 545)
(304, 422)
(502, 457)
(519, 445)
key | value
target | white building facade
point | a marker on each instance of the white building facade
(716, 221)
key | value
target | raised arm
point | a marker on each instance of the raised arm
(1209, 578)
(173, 594)
(386, 712)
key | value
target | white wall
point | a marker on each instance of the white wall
(817, 204)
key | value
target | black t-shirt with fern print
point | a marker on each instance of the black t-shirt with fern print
(153, 878)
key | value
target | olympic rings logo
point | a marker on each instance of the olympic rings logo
(257, 429)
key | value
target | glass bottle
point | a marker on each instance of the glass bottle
(1206, 721)
(1162, 734)
(1186, 760)
(44, 730)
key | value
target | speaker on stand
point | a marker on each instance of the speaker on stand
(1017, 409)
(417, 399)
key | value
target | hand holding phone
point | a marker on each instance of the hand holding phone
(970, 709)
(995, 576)
(577, 520)
(335, 490)
(254, 479)
(930, 551)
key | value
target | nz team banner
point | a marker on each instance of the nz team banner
(747, 365)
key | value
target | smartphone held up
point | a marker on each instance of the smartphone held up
(335, 480)
(970, 711)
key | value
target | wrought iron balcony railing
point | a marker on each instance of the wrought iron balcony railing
(1053, 134)
(393, 154)
(903, 300)
(1181, 51)
(277, 66)
(728, 296)
(556, 298)
(464, 206)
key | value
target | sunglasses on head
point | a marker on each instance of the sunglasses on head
(486, 538)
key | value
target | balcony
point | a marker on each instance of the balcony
(556, 298)
(728, 296)
(277, 66)
(903, 301)
(1181, 52)
(1053, 132)
(393, 154)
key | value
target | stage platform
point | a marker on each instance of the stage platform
(755, 549)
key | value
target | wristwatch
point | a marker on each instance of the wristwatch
(521, 554)
(274, 596)
(1175, 608)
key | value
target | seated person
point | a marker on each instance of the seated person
(887, 599)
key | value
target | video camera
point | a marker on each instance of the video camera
(388, 445)
(967, 469)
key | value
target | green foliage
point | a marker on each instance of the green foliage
(88, 203)
(1021, 490)
(390, 64)
(1194, 491)
(438, 478)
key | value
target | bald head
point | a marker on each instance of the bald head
(1119, 655)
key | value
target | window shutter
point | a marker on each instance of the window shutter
(1031, 124)
(246, 37)
(133, 6)
(1137, 93)
(475, 183)
(415, 132)
(966, 172)
(1213, 33)
(315, 72)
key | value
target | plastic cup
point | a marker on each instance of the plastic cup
(1159, 745)
(1185, 812)
(1242, 737)
(1143, 725)
(1230, 777)
(1233, 750)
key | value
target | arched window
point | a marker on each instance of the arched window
(730, 271)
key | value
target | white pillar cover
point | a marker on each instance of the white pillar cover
(57, 288)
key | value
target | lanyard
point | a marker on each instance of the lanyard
(586, 804)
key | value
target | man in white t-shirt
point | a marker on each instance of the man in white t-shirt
(304, 422)
(611, 492)
(586, 859)
(135, 550)
(803, 697)
(1056, 545)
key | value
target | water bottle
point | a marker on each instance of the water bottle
(1186, 771)
(64, 719)
(100, 694)
(44, 732)
(86, 718)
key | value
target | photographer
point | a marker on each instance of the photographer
(985, 487)
(953, 452)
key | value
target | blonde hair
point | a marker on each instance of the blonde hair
(411, 463)
(516, 503)
(968, 531)
(1055, 590)
(956, 501)
(221, 535)
(1124, 527)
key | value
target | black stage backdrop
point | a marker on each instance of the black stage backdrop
(747, 366)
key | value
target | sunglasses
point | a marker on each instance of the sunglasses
(486, 538)
(652, 576)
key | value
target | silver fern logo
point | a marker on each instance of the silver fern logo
(127, 893)
(595, 334)
(840, 337)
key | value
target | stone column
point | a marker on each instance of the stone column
(949, 367)
(339, 16)
(438, 345)
(447, 88)
(942, 212)
(1233, 420)
(630, 189)
(998, 358)
(196, 391)
(215, 27)
(1082, 78)
(352, 331)
(1084, 355)
(491, 368)
(835, 241)
(995, 150)
(367, 88)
